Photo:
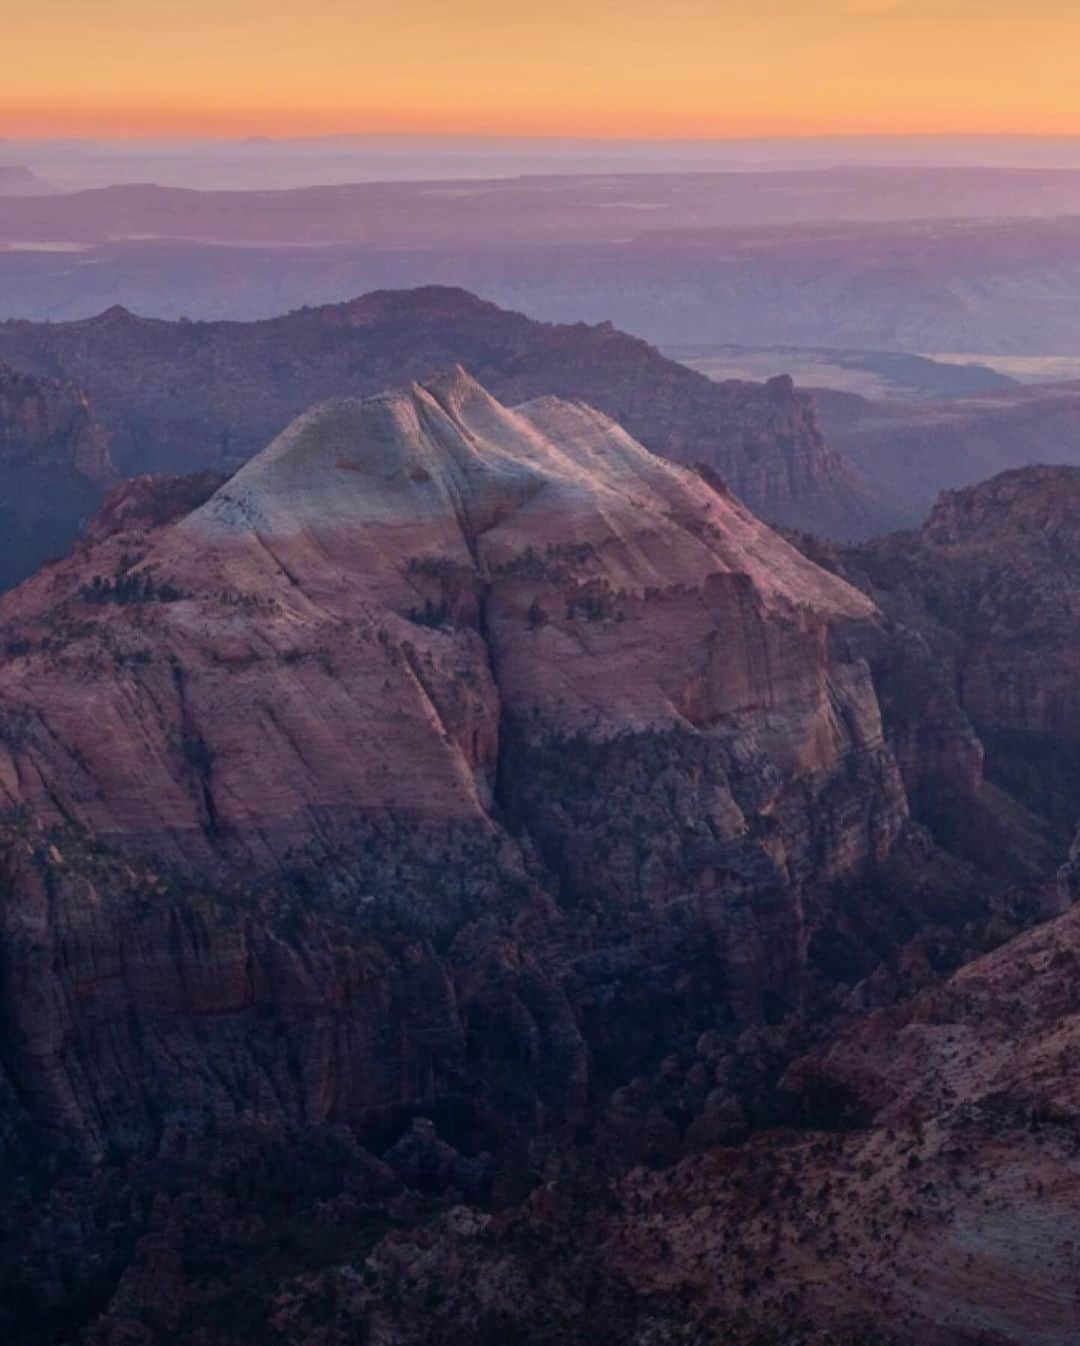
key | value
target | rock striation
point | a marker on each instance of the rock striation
(437, 768)
(456, 800)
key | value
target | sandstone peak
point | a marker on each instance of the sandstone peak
(431, 773)
(446, 455)
(359, 609)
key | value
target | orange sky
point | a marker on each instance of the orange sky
(579, 67)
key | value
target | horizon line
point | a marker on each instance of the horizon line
(255, 138)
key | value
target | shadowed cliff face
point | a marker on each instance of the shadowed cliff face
(989, 586)
(930, 1197)
(182, 397)
(51, 424)
(54, 465)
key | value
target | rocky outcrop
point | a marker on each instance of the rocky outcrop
(398, 806)
(144, 503)
(989, 586)
(54, 465)
(51, 425)
(456, 800)
(183, 397)
(441, 562)
(931, 1195)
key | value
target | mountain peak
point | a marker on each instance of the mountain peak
(431, 448)
(454, 388)
(431, 300)
(418, 558)
(442, 471)
(114, 316)
(18, 180)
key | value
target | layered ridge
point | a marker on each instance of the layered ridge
(185, 397)
(456, 797)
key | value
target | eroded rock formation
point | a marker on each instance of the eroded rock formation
(941, 1205)
(455, 799)
(990, 586)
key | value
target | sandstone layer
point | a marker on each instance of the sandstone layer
(456, 799)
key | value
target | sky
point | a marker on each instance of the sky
(635, 68)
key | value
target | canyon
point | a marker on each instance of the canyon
(1003, 286)
(941, 1209)
(923, 1185)
(912, 452)
(989, 583)
(444, 857)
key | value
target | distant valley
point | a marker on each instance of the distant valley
(905, 261)
(882, 375)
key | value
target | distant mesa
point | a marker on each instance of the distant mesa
(18, 180)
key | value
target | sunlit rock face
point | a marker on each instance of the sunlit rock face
(344, 627)
(448, 761)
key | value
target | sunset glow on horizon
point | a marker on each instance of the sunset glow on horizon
(688, 68)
